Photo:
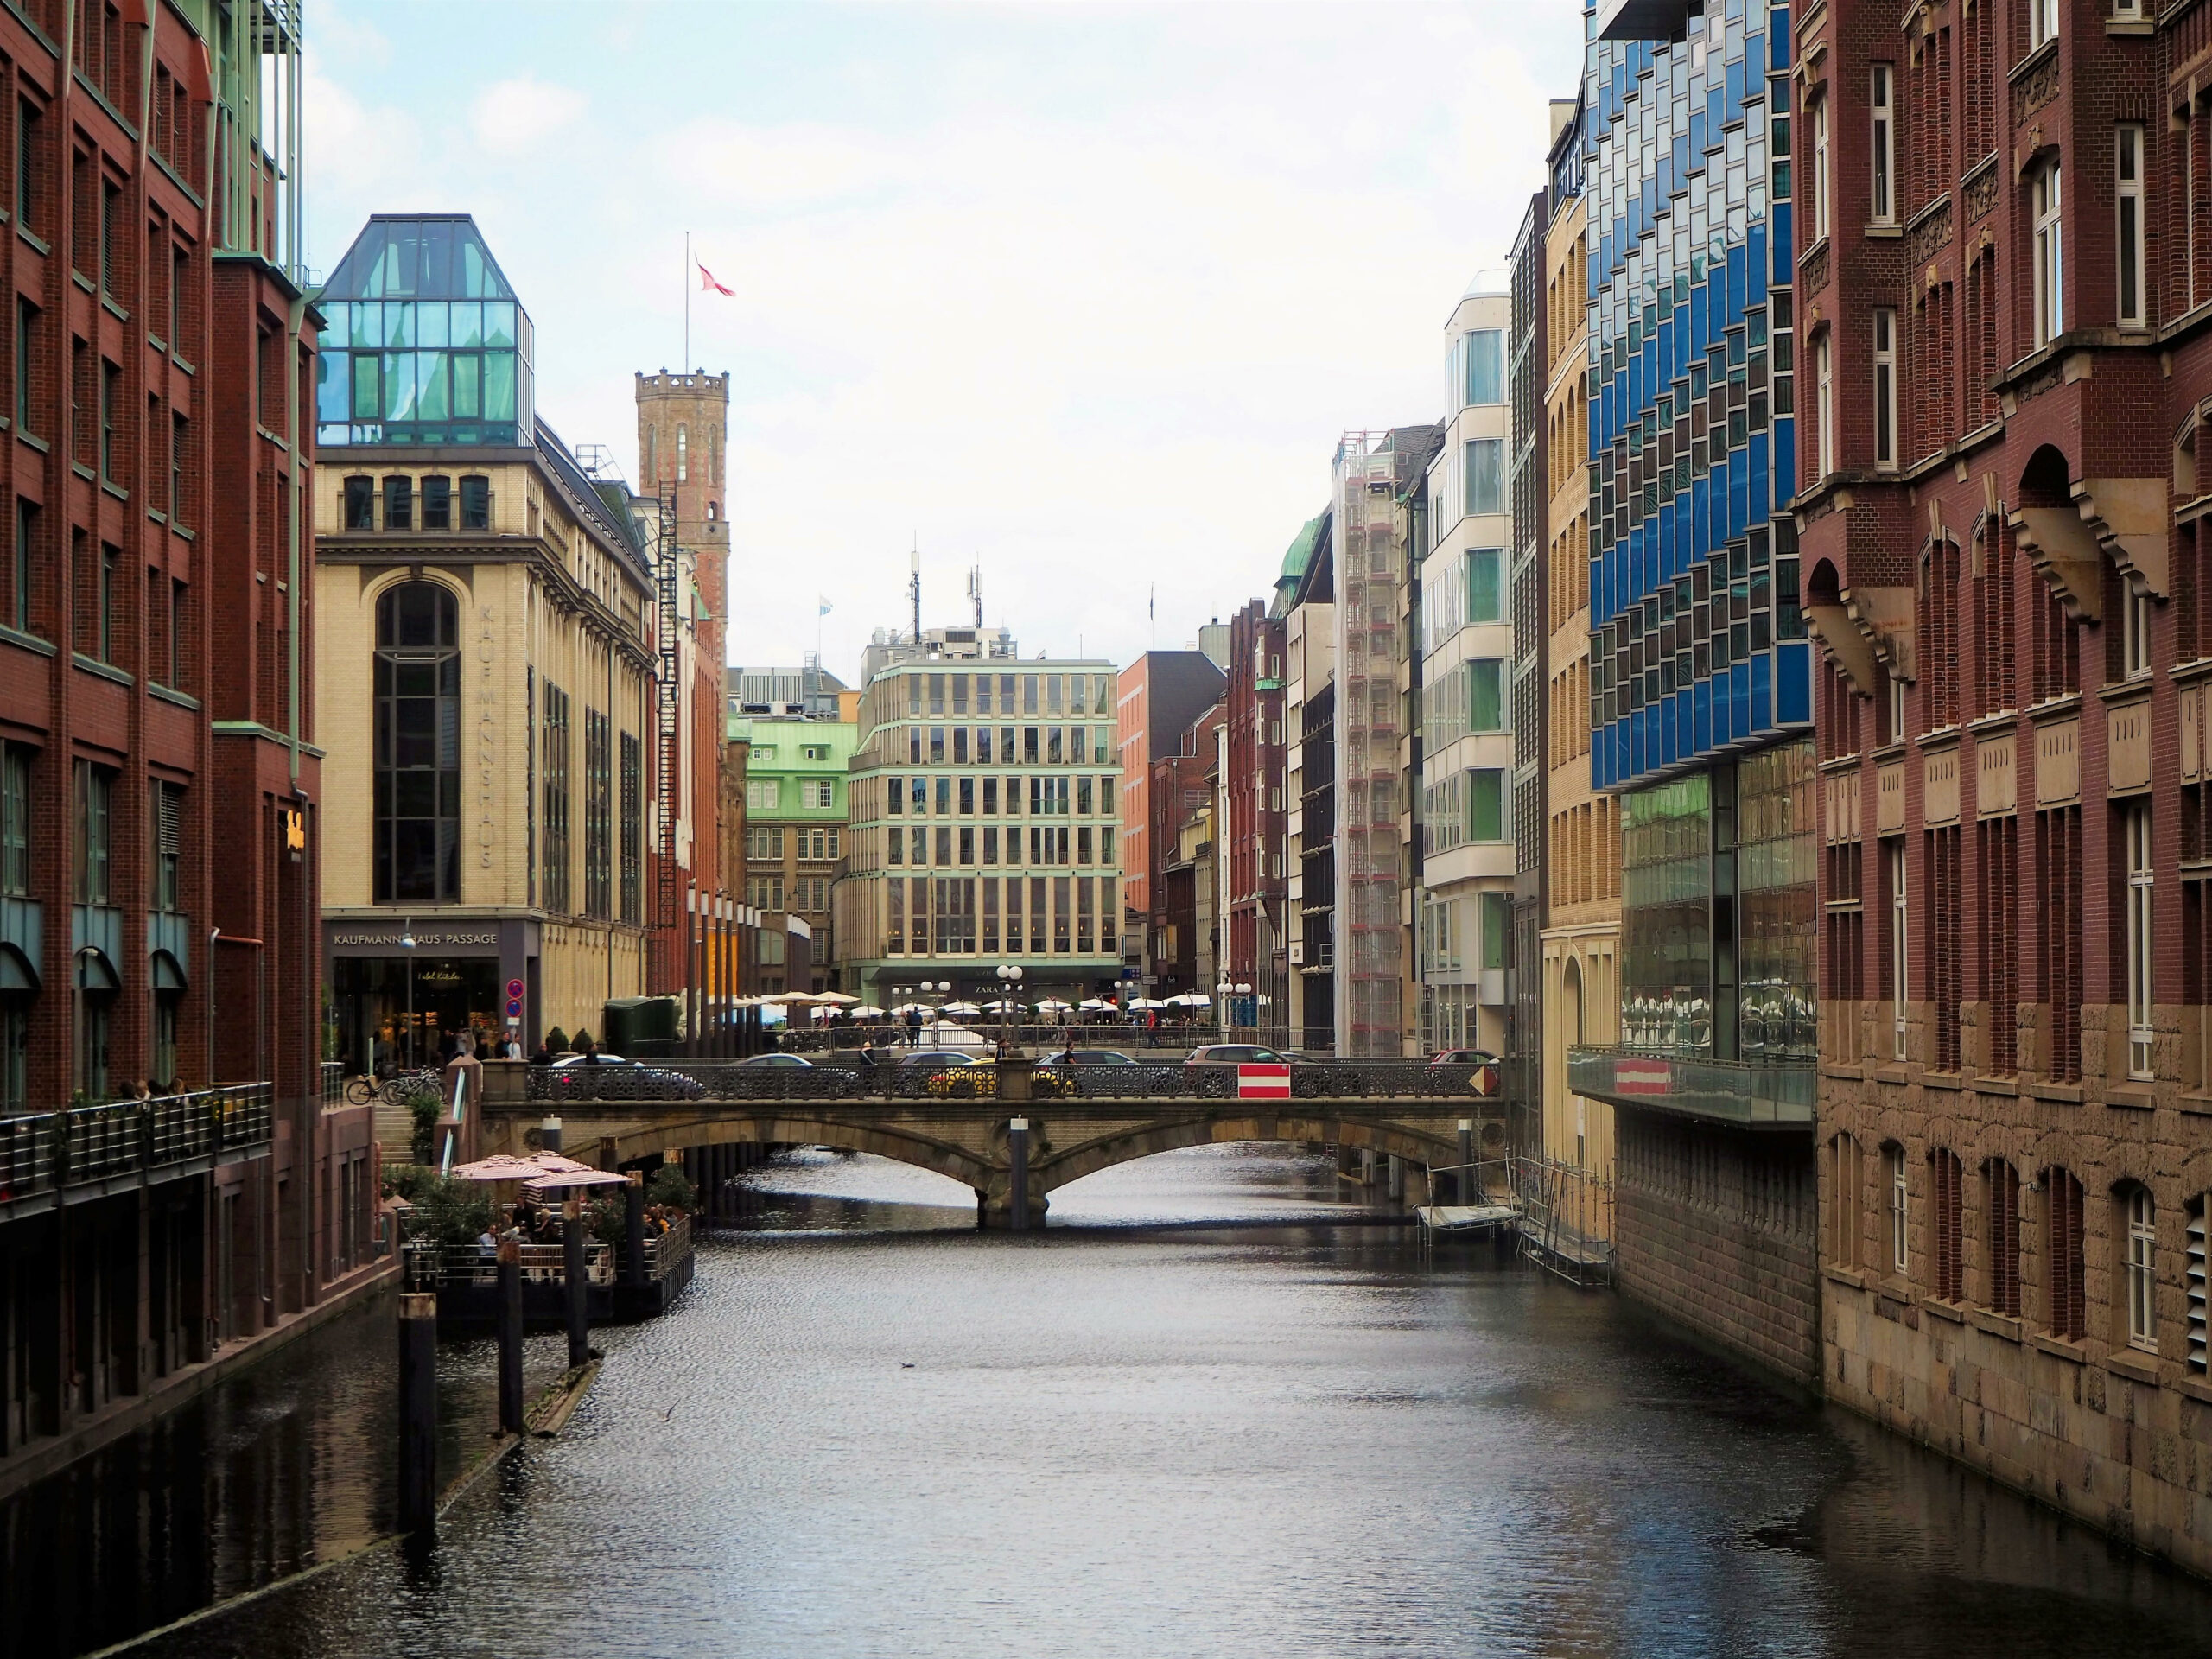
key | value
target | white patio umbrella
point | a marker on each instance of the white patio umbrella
(866, 1011)
(1096, 1004)
(1051, 1005)
(960, 1007)
(1146, 1003)
(906, 1008)
(1001, 1006)
(839, 999)
(559, 1179)
(1190, 1000)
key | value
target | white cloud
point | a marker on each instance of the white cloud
(514, 118)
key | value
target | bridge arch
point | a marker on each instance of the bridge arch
(893, 1141)
(1084, 1158)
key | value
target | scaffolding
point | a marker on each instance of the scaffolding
(1566, 1219)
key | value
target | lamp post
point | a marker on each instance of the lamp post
(1009, 984)
(407, 944)
(1221, 994)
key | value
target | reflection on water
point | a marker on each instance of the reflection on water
(1266, 1441)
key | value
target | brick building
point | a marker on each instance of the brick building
(2002, 287)
(1157, 698)
(159, 785)
(1253, 934)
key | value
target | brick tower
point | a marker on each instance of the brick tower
(683, 444)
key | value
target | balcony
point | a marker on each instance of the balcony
(1744, 1096)
(89, 1152)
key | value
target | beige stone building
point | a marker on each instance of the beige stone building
(1581, 943)
(484, 669)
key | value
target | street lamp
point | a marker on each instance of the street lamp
(407, 944)
(1009, 982)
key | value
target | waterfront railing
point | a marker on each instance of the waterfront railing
(46, 1156)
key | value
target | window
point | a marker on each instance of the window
(1883, 148)
(2127, 228)
(2135, 829)
(26, 539)
(1486, 814)
(2042, 22)
(2049, 248)
(1824, 408)
(360, 504)
(30, 129)
(106, 639)
(633, 836)
(553, 745)
(437, 503)
(1485, 357)
(110, 414)
(179, 445)
(15, 819)
(763, 794)
(1487, 696)
(823, 793)
(682, 453)
(1821, 192)
(1886, 388)
(1486, 475)
(1900, 1216)
(111, 238)
(2134, 629)
(166, 810)
(416, 805)
(95, 830)
(2139, 1268)
(599, 815)
(399, 503)
(1845, 1200)
(1484, 572)
(476, 504)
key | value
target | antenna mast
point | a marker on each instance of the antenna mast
(914, 591)
(975, 593)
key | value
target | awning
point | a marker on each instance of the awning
(17, 971)
(95, 972)
(167, 974)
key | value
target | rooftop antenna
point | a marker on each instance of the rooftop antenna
(975, 593)
(914, 589)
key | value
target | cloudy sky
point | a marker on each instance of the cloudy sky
(1084, 295)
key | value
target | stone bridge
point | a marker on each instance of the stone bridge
(1080, 1120)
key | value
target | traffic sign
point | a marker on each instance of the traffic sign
(514, 1008)
(516, 989)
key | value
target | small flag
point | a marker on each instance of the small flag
(823, 602)
(707, 281)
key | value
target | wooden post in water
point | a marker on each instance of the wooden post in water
(1017, 1152)
(511, 1337)
(418, 1413)
(575, 1271)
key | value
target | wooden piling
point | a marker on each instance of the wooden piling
(418, 1413)
(575, 1271)
(511, 1403)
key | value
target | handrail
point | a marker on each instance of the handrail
(43, 1153)
(429, 1265)
(452, 1124)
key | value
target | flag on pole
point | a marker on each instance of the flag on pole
(707, 281)
(823, 601)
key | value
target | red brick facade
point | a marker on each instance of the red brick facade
(1254, 951)
(2005, 572)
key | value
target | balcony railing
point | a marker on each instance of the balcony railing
(1767, 1096)
(46, 1153)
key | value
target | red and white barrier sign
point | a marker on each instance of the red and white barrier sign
(1641, 1076)
(1262, 1082)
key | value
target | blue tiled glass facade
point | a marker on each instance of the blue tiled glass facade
(1698, 646)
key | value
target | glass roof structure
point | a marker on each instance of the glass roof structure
(426, 343)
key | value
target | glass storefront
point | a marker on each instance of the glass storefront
(1667, 916)
(448, 995)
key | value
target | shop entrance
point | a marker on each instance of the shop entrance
(448, 994)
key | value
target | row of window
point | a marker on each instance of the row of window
(1458, 593)
(2004, 1223)
(407, 503)
(809, 894)
(1038, 746)
(1036, 915)
(92, 830)
(1048, 797)
(766, 841)
(766, 794)
(1468, 806)
(1047, 693)
(1467, 699)
(1443, 930)
(957, 848)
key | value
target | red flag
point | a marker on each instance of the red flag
(707, 281)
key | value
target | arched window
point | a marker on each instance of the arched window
(418, 745)
(682, 453)
(1945, 1218)
(1846, 1189)
(2064, 1297)
(2000, 1208)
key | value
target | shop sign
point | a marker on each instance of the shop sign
(392, 940)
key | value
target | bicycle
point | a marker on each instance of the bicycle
(396, 1089)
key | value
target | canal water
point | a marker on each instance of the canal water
(1218, 1409)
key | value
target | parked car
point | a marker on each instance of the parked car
(575, 1077)
(1211, 1068)
(935, 1059)
(777, 1060)
(1094, 1057)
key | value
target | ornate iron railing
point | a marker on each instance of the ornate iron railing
(704, 1081)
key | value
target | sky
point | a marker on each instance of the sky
(1082, 296)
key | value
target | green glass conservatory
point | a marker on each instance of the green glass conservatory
(426, 342)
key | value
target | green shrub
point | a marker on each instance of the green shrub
(669, 1186)
(557, 1041)
(446, 1211)
(422, 1119)
(580, 1041)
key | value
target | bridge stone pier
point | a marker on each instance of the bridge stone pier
(958, 1127)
